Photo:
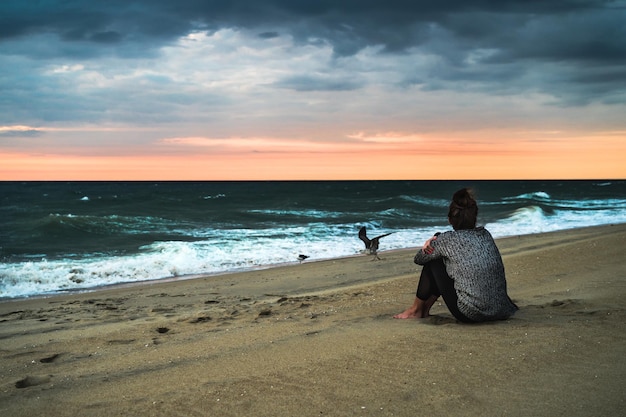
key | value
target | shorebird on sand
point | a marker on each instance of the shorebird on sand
(371, 245)
(302, 257)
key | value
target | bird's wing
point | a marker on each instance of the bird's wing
(363, 237)
(378, 237)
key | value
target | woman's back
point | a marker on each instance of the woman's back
(473, 261)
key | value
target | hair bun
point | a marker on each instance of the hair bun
(464, 198)
(463, 210)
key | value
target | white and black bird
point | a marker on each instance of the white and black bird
(302, 257)
(371, 245)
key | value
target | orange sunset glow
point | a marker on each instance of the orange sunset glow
(426, 158)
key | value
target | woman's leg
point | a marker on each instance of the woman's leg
(434, 281)
(425, 297)
(445, 287)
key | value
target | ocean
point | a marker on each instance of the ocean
(77, 236)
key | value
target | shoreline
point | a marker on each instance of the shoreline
(501, 241)
(317, 338)
(182, 278)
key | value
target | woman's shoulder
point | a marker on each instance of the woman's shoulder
(465, 235)
(480, 230)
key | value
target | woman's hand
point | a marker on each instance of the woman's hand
(427, 248)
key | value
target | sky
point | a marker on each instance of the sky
(312, 90)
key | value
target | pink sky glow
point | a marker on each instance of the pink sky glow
(485, 155)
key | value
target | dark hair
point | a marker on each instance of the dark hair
(463, 210)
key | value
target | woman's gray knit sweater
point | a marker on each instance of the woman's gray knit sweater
(473, 261)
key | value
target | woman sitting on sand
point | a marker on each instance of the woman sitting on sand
(464, 266)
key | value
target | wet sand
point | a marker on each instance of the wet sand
(318, 339)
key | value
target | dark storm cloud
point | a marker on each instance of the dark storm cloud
(578, 29)
(493, 45)
(269, 35)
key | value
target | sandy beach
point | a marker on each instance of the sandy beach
(318, 339)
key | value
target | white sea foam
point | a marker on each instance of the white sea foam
(217, 251)
(533, 219)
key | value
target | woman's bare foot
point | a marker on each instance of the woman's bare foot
(419, 310)
(409, 313)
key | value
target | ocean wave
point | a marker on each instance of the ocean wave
(426, 201)
(190, 229)
(547, 202)
(537, 195)
(211, 197)
(313, 214)
(110, 224)
(240, 251)
(535, 219)
(220, 251)
(599, 204)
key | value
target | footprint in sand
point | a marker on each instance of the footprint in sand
(200, 319)
(31, 381)
(50, 359)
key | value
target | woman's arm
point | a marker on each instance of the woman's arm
(427, 253)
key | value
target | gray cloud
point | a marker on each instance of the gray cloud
(543, 29)
(571, 50)
(19, 133)
(269, 35)
(319, 83)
